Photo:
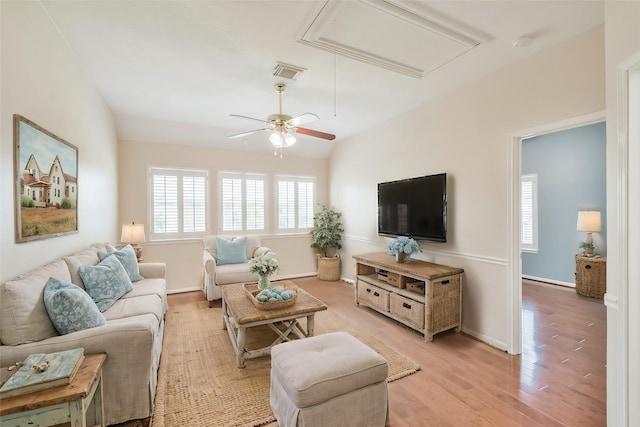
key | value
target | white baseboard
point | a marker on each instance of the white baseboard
(486, 339)
(183, 290)
(553, 282)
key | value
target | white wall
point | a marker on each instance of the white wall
(42, 81)
(466, 134)
(184, 259)
(622, 23)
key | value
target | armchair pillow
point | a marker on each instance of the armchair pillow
(70, 308)
(128, 259)
(231, 251)
(105, 282)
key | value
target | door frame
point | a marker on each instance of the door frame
(514, 258)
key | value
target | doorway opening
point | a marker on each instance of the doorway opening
(514, 258)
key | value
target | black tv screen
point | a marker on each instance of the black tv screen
(414, 207)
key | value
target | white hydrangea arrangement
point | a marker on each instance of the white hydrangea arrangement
(263, 265)
(403, 244)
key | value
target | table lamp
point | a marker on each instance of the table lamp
(589, 221)
(133, 233)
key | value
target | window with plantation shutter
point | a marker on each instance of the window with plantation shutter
(242, 201)
(296, 200)
(529, 213)
(179, 203)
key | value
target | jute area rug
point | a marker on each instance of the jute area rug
(200, 385)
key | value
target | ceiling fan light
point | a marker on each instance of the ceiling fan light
(276, 139)
(289, 139)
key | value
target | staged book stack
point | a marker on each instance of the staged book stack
(43, 371)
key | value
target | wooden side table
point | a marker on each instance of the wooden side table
(591, 276)
(79, 403)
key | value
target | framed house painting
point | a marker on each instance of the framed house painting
(46, 183)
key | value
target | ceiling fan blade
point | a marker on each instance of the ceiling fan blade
(302, 119)
(240, 135)
(249, 118)
(315, 133)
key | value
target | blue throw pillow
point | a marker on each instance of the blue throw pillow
(231, 251)
(128, 259)
(105, 282)
(70, 308)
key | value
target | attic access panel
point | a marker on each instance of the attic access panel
(400, 37)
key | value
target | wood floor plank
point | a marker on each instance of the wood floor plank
(558, 381)
(535, 388)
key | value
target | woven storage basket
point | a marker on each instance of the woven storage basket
(408, 309)
(591, 276)
(373, 296)
(252, 290)
(417, 287)
(443, 308)
(329, 268)
(394, 279)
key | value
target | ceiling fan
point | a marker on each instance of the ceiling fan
(282, 125)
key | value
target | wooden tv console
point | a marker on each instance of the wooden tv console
(422, 295)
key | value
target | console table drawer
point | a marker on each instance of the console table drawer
(373, 296)
(408, 309)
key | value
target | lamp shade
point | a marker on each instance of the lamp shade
(132, 233)
(589, 221)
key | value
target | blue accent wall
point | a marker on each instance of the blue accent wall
(571, 177)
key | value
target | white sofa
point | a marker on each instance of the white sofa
(219, 275)
(131, 337)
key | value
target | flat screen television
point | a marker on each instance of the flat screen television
(414, 207)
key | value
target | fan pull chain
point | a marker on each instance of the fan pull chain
(335, 72)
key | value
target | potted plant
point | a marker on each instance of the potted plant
(588, 247)
(403, 247)
(327, 233)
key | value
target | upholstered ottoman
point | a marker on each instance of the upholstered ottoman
(328, 380)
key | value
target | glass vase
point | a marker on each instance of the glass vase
(263, 282)
(403, 257)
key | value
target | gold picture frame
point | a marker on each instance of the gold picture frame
(46, 183)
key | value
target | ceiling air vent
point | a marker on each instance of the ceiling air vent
(287, 71)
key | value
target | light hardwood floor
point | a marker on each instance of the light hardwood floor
(559, 380)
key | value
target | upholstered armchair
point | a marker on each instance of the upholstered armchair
(226, 261)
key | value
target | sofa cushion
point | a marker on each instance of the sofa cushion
(148, 287)
(105, 282)
(70, 308)
(153, 286)
(23, 316)
(86, 257)
(231, 251)
(130, 307)
(234, 273)
(128, 259)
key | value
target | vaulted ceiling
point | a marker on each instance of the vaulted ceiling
(174, 71)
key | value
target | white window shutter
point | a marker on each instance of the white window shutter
(179, 203)
(242, 199)
(529, 213)
(296, 200)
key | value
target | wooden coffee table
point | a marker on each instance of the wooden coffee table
(240, 314)
(79, 403)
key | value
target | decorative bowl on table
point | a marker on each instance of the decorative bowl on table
(276, 297)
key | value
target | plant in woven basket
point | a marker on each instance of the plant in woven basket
(327, 230)
(264, 266)
(327, 233)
